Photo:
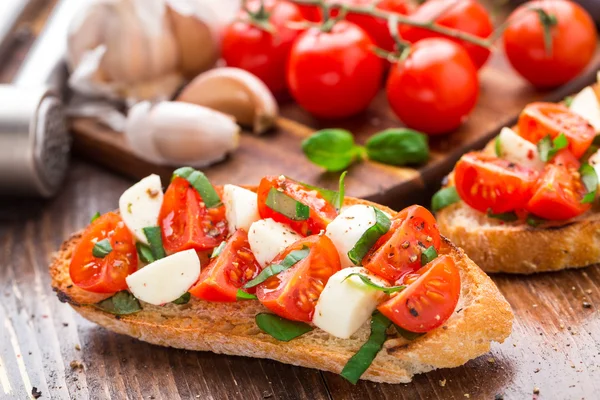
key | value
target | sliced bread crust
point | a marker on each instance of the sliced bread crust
(481, 316)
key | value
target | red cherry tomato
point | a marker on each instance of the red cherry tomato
(398, 252)
(542, 119)
(104, 275)
(321, 211)
(574, 41)
(185, 221)
(293, 293)
(463, 15)
(488, 183)
(228, 272)
(260, 52)
(429, 300)
(435, 87)
(334, 74)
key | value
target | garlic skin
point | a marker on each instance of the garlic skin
(175, 133)
(235, 92)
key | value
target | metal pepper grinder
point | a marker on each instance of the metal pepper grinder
(34, 140)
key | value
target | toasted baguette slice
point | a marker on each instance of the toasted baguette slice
(481, 316)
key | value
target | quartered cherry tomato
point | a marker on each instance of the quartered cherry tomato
(228, 272)
(334, 74)
(321, 212)
(263, 53)
(574, 41)
(463, 15)
(398, 252)
(430, 298)
(185, 221)
(435, 88)
(487, 183)
(542, 119)
(104, 275)
(293, 293)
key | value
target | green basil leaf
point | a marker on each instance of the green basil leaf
(506, 217)
(332, 149)
(217, 250)
(369, 237)
(444, 197)
(281, 328)
(590, 181)
(287, 206)
(333, 197)
(184, 299)
(361, 361)
(144, 252)
(408, 335)
(498, 146)
(102, 248)
(241, 295)
(535, 221)
(367, 281)
(121, 303)
(200, 182)
(547, 147)
(154, 236)
(341, 191)
(428, 255)
(398, 147)
(568, 101)
(289, 261)
(95, 217)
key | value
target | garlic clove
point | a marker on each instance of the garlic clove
(235, 92)
(139, 133)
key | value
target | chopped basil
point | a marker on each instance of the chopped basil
(333, 197)
(398, 146)
(102, 248)
(506, 217)
(367, 281)
(286, 205)
(281, 328)
(534, 221)
(95, 217)
(568, 101)
(217, 250)
(444, 197)
(361, 361)
(369, 237)
(408, 335)
(341, 191)
(332, 149)
(428, 255)
(121, 303)
(498, 146)
(241, 295)
(590, 181)
(289, 261)
(200, 182)
(154, 236)
(144, 252)
(548, 147)
(184, 299)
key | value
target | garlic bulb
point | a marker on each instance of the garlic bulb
(235, 92)
(175, 133)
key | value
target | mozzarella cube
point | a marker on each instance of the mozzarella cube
(241, 207)
(140, 205)
(166, 279)
(347, 229)
(346, 304)
(268, 238)
(586, 105)
(515, 149)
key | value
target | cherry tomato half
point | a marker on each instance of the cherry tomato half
(430, 298)
(398, 252)
(334, 74)
(104, 275)
(542, 119)
(293, 293)
(488, 183)
(185, 221)
(435, 88)
(574, 41)
(463, 15)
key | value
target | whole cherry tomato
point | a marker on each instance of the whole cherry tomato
(464, 15)
(334, 74)
(435, 88)
(262, 53)
(573, 36)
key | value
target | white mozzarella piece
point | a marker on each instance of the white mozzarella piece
(594, 161)
(586, 104)
(166, 279)
(241, 207)
(140, 205)
(348, 227)
(346, 304)
(268, 238)
(518, 150)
